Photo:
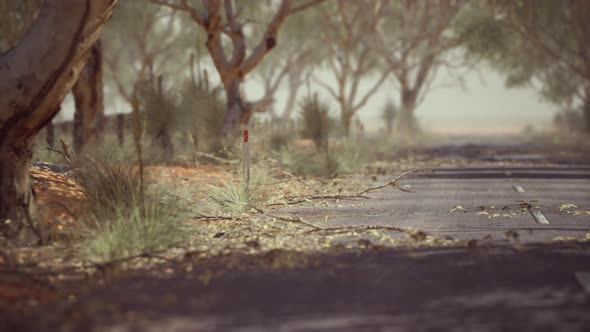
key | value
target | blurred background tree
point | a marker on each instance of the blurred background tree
(541, 43)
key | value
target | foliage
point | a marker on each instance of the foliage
(569, 121)
(308, 163)
(279, 141)
(336, 160)
(170, 111)
(237, 198)
(314, 117)
(159, 106)
(135, 231)
(118, 225)
(352, 157)
(144, 40)
(388, 115)
(203, 109)
(536, 43)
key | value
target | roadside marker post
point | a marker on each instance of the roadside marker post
(246, 159)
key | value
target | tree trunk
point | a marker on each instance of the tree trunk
(346, 122)
(237, 113)
(18, 214)
(120, 119)
(88, 97)
(35, 76)
(294, 86)
(389, 127)
(407, 126)
(587, 111)
(50, 134)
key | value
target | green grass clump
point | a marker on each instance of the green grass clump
(351, 157)
(236, 198)
(118, 225)
(309, 163)
(336, 160)
(133, 231)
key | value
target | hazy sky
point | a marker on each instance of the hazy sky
(485, 107)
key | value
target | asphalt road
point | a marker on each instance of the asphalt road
(517, 277)
(532, 288)
(490, 204)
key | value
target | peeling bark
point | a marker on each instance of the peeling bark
(35, 76)
(89, 101)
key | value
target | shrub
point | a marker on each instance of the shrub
(133, 231)
(161, 113)
(388, 115)
(309, 163)
(118, 224)
(203, 111)
(351, 157)
(314, 117)
(236, 198)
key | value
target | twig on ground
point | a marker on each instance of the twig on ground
(219, 159)
(203, 216)
(61, 153)
(316, 228)
(295, 178)
(392, 183)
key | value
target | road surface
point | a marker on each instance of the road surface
(514, 277)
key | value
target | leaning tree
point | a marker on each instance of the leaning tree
(15, 18)
(35, 75)
(227, 43)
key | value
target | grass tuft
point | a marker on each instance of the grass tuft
(237, 198)
(117, 226)
(130, 232)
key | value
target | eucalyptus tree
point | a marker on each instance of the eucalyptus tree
(16, 17)
(233, 52)
(89, 101)
(142, 42)
(293, 62)
(35, 75)
(349, 55)
(416, 40)
(539, 43)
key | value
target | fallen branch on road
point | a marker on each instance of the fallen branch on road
(392, 183)
(417, 235)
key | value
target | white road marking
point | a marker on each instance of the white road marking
(539, 217)
(583, 279)
(518, 188)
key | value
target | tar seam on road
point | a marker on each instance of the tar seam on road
(539, 217)
(583, 279)
(518, 188)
